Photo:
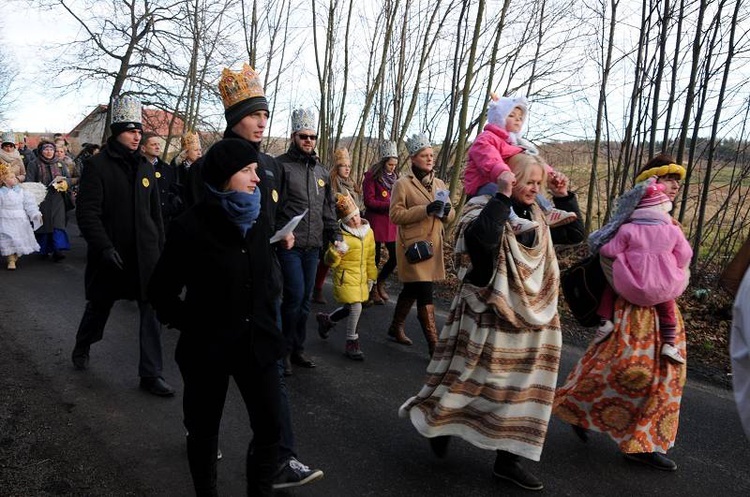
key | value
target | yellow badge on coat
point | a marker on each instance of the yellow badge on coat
(321, 183)
(158, 175)
(145, 182)
(384, 193)
(275, 195)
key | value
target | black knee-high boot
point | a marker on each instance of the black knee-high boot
(202, 460)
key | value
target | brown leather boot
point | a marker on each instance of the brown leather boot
(380, 287)
(396, 330)
(426, 315)
(375, 297)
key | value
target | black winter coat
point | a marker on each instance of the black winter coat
(170, 196)
(231, 284)
(118, 206)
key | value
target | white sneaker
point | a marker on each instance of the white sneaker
(521, 225)
(603, 331)
(672, 353)
(556, 217)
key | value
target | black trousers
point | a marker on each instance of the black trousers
(91, 330)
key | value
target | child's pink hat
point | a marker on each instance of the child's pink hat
(653, 196)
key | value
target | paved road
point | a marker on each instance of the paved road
(131, 443)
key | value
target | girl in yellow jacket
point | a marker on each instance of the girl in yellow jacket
(354, 273)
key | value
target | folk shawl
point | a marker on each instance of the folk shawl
(491, 380)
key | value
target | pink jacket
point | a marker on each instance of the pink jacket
(650, 256)
(377, 199)
(487, 156)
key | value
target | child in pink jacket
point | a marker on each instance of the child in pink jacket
(650, 257)
(500, 140)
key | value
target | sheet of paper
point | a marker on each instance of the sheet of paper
(293, 222)
(442, 196)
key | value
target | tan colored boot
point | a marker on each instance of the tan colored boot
(12, 258)
(396, 330)
(426, 315)
(380, 287)
(375, 297)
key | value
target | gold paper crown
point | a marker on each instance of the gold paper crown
(661, 171)
(238, 86)
(4, 169)
(345, 207)
(190, 140)
(341, 156)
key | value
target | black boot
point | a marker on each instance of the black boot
(508, 467)
(261, 465)
(202, 460)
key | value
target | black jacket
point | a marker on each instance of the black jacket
(484, 234)
(118, 206)
(231, 284)
(170, 197)
(308, 186)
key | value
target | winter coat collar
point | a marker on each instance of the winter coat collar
(299, 156)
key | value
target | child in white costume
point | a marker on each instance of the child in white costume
(354, 273)
(18, 210)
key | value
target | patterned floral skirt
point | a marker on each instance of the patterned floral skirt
(624, 388)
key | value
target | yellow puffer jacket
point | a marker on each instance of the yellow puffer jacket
(352, 270)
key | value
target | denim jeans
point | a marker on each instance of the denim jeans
(299, 266)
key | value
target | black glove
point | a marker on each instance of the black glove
(111, 256)
(447, 209)
(434, 207)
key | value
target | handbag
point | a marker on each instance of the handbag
(582, 285)
(419, 251)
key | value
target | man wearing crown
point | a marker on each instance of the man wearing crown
(246, 111)
(308, 187)
(119, 216)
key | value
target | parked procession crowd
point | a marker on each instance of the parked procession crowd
(269, 231)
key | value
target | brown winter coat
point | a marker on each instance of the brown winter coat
(409, 200)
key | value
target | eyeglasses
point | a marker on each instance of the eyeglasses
(307, 137)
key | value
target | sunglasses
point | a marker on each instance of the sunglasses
(307, 137)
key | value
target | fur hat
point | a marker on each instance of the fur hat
(388, 149)
(655, 196)
(345, 207)
(304, 119)
(241, 94)
(341, 156)
(499, 108)
(9, 137)
(126, 114)
(417, 142)
(225, 158)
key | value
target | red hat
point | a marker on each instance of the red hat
(654, 196)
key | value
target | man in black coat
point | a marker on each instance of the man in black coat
(119, 216)
(166, 176)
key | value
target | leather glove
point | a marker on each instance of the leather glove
(446, 209)
(111, 256)
(434, 207)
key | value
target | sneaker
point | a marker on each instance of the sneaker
(522, 225)
(324, 324)
(294, 474)
(353, 351)
(672, 353)
(556, 217)
(653, 459)
(515, 473)
(604, 330)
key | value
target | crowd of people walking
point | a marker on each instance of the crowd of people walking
(243, 311)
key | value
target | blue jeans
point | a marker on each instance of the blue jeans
(299, 266)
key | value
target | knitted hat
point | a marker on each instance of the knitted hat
(499, 108)
(654, 196)
(225, 158)
(341, 156)
(190, 140)
(126, 114)
(345, 207)
(388, 149)
(241, 94)
(9, 137)
(304, 119)
(417, 142)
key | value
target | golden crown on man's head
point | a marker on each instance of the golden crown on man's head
(190, 141)
(238, 86)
